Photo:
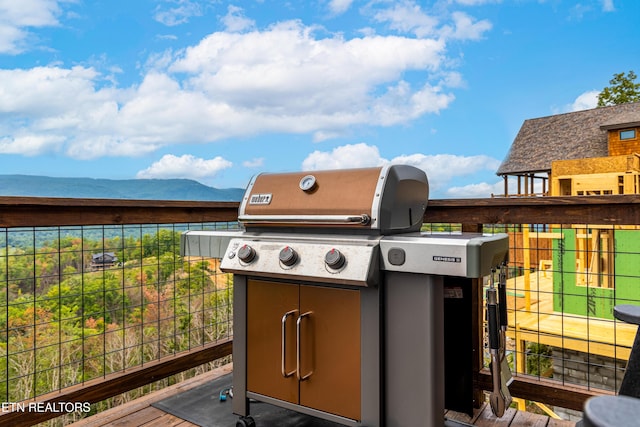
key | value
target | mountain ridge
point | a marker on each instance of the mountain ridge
(102, 188)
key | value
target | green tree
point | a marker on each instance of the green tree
(94, 295)
(623, 89)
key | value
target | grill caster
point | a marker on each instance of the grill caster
(245, 422)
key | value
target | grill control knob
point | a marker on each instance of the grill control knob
(288, 256)
(246, 254)
(334, 259)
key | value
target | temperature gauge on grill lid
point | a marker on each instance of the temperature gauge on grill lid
(307, 183)
(334, 259)
(246, 253)
(288, 256)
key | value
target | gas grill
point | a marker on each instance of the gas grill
(340, 300)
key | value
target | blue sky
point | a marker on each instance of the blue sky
(218, 91)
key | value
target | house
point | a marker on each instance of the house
(580, 153)
(591, 152)
(103, 260)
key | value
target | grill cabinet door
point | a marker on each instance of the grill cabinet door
(329, 326)
(330, 345)
(267, 302)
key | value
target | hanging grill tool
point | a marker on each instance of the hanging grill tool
(500, 398)
(505, 370)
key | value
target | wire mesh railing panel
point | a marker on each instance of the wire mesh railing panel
(564, 281)
(79, 303)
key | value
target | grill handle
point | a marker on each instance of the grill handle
(362, 219)
(298, 350)
(283, 367)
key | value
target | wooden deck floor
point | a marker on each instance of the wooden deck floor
(140, 412)
(512, 418)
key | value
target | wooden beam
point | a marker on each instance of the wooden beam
(51, 212)
(595, 210)
(544, 391)
(99, 389)
(42, 212)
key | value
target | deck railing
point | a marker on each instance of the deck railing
(73, 332)
(95, 301)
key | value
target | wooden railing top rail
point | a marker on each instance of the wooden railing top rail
(42, 212)
(51, 212)
(605, 210)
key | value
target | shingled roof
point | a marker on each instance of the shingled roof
(565, 136)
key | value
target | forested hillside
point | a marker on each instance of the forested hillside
(66, 323)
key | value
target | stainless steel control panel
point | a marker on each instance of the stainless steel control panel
(348, 260)
(344, 262)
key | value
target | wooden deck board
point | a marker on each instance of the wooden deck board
(139, 412)
(527, 419)
(463, 418)
(167, 420)
(141, 417)
(127, 411)
(487, 419)
(512, 418)
(560, 423)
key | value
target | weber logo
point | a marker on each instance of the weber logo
(260, 199)
(439, 258)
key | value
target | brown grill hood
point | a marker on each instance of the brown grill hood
(385, 200)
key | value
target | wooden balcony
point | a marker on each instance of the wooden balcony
(142, 412)
(32, 215)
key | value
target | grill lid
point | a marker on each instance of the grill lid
(390, 199)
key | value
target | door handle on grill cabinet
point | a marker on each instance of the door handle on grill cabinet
(298, 349)
(283, 367)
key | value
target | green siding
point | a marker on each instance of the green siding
(569, 297)
(627, 266)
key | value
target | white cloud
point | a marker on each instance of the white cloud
(17, 17)
(338, 7)
(485, 189)
(43, 91)
(479, 190)
(408, 17)
(584, 101)
(29, 145)
(441, 169)
(178, 13)
(235, 21)
(466, 27)
(607, 6)
(347, 156)
(287, 78)
(254, 163)
(476, 2)
(186, 166)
